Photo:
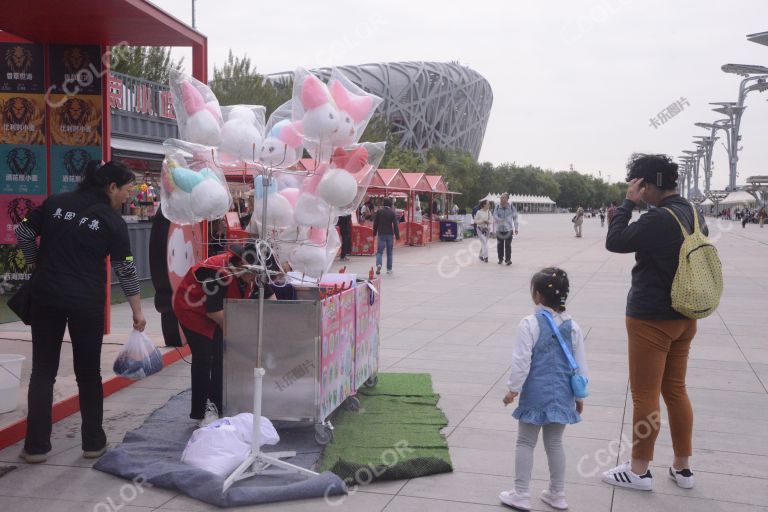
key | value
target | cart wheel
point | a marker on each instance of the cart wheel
(352, 404)
(372, 381)
(323, 434)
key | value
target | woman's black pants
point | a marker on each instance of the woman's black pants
(86, 329)
(207, 371)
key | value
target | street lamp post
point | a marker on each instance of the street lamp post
(685, 175)
(756, 80)
(720, 124)
(706, 144)
(695, 160)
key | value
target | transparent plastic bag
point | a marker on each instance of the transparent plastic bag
(138, 358)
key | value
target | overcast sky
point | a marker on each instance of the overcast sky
(574, 81)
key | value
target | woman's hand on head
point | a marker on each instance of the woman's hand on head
(635, 190)
(139, 322)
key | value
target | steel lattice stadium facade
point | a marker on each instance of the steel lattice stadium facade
(429, 104)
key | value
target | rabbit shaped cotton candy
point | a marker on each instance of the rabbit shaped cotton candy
(279, 208)
(355, 107)
(242, 134)
(282, 146)
(198, 112)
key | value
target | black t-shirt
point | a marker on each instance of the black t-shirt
(78, 230)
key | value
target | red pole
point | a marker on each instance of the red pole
(106, 154)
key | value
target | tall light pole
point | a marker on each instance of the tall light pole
(193, 14)
(695, 159)
(720, 124)
(707, 144)
(756, 80)
(686, 162)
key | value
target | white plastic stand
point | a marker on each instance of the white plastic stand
(257, 462)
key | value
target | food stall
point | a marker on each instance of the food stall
(385, 183)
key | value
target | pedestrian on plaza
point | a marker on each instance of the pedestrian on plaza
(746, 216)
(78, 231)
(385, 227)
(761, 216)
(578, 220)
(482, 220)
(659, 338)
(199, 306)
(540, 376)
(505, 219)
(345, 228)
(602, 217)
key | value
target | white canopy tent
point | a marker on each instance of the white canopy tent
(739, 197)
(526, 203)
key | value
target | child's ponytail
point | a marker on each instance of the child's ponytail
(552, 283)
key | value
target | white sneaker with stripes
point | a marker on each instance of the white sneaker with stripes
(622, 476)
(683, 477)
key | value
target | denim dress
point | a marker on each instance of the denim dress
(546, 396)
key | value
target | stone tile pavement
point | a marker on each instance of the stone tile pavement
(446, 313)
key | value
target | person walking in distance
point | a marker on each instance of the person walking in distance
(659, 338)
(345, 228)
(386, 230)
(482, 221)
(761, 215)
(578, 220)
(505, 218)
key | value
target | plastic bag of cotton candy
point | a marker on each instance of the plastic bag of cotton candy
(302, 207)
(192, 185)
(138, 358)
(332, 115)
(198, 113)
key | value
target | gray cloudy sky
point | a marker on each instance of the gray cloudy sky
(574, 81)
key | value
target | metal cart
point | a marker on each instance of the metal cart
(316, 354)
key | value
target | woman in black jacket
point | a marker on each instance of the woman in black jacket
(78, 231)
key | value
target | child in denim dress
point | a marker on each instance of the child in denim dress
(541, 377)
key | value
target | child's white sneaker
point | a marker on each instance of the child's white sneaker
(683, 478)
(622, 476)
(515, 500)
(554, 499)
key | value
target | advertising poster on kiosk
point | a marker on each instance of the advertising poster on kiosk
(336, 383)
(368, 310)
(23, 156)
(21, 67)
(68, 165)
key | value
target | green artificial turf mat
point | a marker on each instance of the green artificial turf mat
(394, 435)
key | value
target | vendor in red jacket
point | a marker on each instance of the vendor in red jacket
(199, 307)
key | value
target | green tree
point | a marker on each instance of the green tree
(238, 83)
(151, 63)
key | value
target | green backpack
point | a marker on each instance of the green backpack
(698, 283)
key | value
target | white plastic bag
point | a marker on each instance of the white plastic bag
(138, 358)
(224, 444)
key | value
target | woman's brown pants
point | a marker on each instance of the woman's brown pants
(658, 360)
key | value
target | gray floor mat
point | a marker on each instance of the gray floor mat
(152, 453)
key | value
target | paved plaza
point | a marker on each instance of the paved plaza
(446, 313)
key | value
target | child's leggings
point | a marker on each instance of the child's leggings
(527, 435)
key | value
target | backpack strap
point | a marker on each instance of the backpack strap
(682, 228)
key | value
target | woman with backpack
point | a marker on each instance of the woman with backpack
(659, 337)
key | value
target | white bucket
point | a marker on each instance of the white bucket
(10, 381)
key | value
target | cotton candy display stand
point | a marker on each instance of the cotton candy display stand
(316, 353)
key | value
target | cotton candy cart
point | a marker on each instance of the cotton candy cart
(316, 354)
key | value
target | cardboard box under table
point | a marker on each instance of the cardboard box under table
(316, 354)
